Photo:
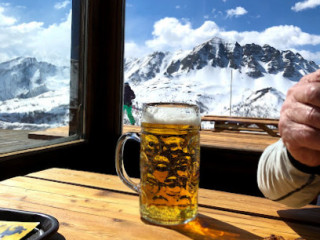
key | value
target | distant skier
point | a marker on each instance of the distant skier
(127, 103)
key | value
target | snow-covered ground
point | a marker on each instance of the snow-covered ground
(34, 95)
(214, 91)
(47, 110)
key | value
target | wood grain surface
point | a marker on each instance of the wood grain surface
(97, 206)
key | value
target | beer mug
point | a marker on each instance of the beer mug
(169, 162)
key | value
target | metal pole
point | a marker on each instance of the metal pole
(230, 92)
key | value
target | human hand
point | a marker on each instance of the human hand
(299, 123)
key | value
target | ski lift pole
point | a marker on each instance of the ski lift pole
(230, 92)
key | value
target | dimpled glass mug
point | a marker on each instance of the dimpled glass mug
(169, 162)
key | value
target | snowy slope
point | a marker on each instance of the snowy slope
(216, 75)
(251, 79)
(33, 95)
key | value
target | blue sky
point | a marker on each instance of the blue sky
(180, 24)
(41, 28)
(46, 11)
(36, 28)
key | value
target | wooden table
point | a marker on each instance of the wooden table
(270, 126)
(97, 206)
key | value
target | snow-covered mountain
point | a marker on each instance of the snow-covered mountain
(33, 94)
(252, 79)
(26, 77)
(216, 75)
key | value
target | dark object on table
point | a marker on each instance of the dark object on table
(47, 227)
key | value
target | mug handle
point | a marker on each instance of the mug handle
(119, 160)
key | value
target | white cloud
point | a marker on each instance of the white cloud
(60, 5)
(170, 34)
(300, 6)
(53, 44)
(236, 12)
(5, 4)
(282, 37)
(32, 39)
(315, 56)
(134, 50)
(216, 13)
(4, 20)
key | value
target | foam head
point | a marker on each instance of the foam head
(171, 113)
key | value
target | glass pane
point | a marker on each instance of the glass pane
(232, 58)
(38, 75)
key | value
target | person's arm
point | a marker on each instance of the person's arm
(288, 170)
(281, 178)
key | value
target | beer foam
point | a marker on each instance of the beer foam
(171, 115)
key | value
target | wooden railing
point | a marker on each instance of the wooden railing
(221, 123)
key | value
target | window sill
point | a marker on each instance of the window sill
(36, 150)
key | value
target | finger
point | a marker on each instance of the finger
(312, 77)
(296, 135)
(303, 114)
(308, 93)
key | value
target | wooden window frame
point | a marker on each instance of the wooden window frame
(101, 66)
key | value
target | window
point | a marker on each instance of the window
(41, 99)
(100, 65)
(232, 59)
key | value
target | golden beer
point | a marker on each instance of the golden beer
(169, 163)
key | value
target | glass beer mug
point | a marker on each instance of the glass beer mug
(169, 162)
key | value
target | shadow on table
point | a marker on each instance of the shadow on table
(304, 221)
(206, 228)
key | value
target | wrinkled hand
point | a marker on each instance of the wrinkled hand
(299, 123)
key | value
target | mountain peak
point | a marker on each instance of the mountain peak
(17, 61)
(26, 77)
(216, 40)
(252, 59)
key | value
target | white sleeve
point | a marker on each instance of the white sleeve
(280, 181)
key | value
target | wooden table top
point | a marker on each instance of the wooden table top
(243, 123)
(98, 206)
(252, 120)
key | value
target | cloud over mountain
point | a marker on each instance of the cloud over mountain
(170, 34)
(48, 43)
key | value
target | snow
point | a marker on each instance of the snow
(212, 87)
(34, 95)
(247, 90)
(46, 110)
